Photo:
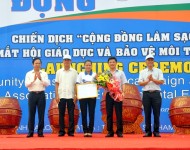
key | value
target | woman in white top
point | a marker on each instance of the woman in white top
(87, 104)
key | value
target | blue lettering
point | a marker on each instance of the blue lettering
(42, 7)
(68, 5)
(86, 5)
(21, 5)
(46, 5)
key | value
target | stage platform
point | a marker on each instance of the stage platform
(97, 142)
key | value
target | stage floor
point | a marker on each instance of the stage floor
(97, 142)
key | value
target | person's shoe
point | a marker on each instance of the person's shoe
(61, 134)
(29, 135)
(110, 135)
(70, 134)
(85, 134)
(157, 134)
(119, 135)
(40, 135)
(89, 134)
(147, 135)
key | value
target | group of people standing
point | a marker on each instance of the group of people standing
(66, 96)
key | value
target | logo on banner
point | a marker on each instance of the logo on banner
(47, 5)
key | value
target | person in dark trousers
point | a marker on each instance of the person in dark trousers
(151, 78)
(36, 80)
(111, 103)
(87, 104)
(65, 93)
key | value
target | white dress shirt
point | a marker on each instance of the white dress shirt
(37, 85)
(156, 74)
(120, 76)
(67, 80)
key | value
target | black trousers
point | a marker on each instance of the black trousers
(88, 105)
(62, 107)
(110, 104)
(152, 101)
(36, 100)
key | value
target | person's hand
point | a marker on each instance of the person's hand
(38, 76)
(98, 86)
(150, 78)
(88, 82)
(35, 77)
(57, 99)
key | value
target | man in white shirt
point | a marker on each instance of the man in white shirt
(111, 103)
(36, 80)
(151, 78)
(65, 82)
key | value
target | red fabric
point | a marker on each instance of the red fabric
(97, 142)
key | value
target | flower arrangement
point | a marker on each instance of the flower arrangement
(107, 81)
(102, 79)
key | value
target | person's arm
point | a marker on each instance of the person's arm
(57, 98)
(157, 81)
(141, 80)
(45, 80)
(28, 80)
(77, 78)
(75, 94)
(143, 83)
(123, 82)
(123, 88)
(56, 92)
(160, 79)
